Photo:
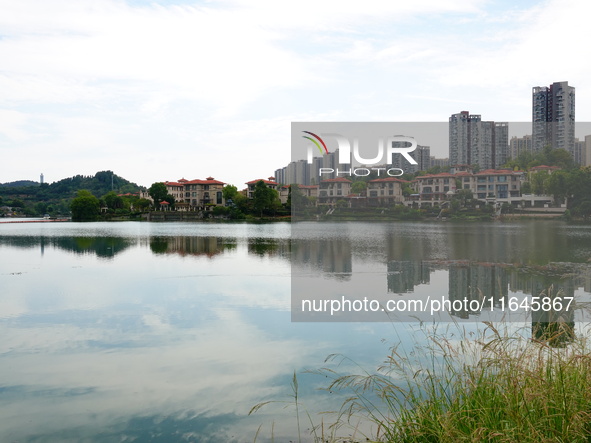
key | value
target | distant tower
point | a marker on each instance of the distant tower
(553, 117)
(41, 178)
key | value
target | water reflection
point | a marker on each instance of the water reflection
(171, 332)
(494, 264)
(182, 245)
(104, 247)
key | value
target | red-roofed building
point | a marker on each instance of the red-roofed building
(436, 187)
(497, 184)
(204, 194)
(334, 189)
(385, 191)
(307, 190)
(271, 183)
(194, 195)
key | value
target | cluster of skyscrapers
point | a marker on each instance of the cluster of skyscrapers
(486, 143)
(474, 141)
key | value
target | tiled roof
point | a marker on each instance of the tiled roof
(388, 179)
(209, 181)
(337, 180)
(267, 182)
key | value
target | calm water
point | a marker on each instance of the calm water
(171, 332)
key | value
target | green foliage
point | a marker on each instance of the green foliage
(358, 187)
(229, 192)
(265, 199)
(492, 386)
(59, 195)
(548, 157)
(296, 200)
(539, 182)
(526, 188)
(158, 192)
(113, 201)
(142, 204)
(85, 206)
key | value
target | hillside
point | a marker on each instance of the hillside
(36, 199)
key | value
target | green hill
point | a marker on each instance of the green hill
(36, 199)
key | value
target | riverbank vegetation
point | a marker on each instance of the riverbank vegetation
(532, 385)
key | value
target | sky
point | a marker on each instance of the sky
(167, 89)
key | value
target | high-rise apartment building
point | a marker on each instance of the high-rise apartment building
(473, 141)
(421, 154)
(519, 145)
(553, 117)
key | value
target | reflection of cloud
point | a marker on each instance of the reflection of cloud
(157, 373)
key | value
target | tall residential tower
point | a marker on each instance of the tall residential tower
(553, 117)
(473, 141)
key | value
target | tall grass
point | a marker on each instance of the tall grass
(495, 386)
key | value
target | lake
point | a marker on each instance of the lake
(171, 332)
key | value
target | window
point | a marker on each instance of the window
(218, 197)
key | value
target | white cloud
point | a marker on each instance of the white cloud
(180, 90)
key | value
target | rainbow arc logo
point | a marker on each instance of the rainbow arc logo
(316, 142)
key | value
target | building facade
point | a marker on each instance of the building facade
(553, 117)
(476, 142)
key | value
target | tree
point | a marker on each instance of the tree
(463, 195)
(358, 187)
(171, 200)
(113, 201)
(142, 204)
(296, 200)
(229, 192)
(265, 198)
(538, 182)
(158, 192)
(526, 188)
(85, 206)
(557, 185)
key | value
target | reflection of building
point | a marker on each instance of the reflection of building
(469, 281)
(332, 257)
(183, 245)
(403, 276)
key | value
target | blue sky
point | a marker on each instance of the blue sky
(159, 90)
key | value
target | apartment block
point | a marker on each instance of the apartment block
(519, 145)
(473, 141)
(553, 117)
